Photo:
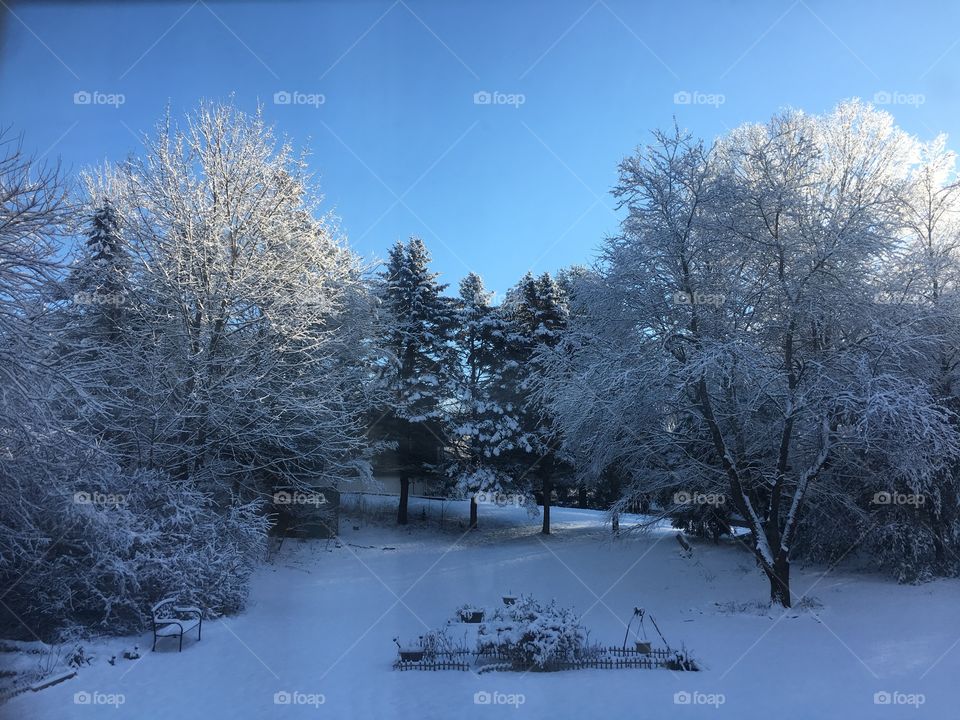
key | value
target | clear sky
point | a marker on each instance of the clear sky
(399, 143)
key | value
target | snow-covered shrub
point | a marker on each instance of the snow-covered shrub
(533, 634)
(907, 550)
(440, 645)
(82, 543)
(466, 613)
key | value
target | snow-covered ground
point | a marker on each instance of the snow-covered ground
(321, 619)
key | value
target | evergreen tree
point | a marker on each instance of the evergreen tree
(483, 425)
(536, 310)
(99, 280)
(97, 349)
(416, 338)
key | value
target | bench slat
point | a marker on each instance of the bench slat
(174, 628)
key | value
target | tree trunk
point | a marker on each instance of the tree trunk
(547, 492)
(780, 581)
(404, 496)
(615, 523)
(473, 512)
(582, 496)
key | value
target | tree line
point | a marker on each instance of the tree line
(186, 332)
(769, 342)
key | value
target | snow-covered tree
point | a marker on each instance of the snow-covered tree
(94, 331)
(252, 314)
(917, 311)
(484, 419)
(732, 345)
(34, 216)
(415, 338)
(536, 313)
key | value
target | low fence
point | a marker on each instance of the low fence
(608, 658)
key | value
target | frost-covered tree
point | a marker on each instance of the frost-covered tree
(81, 542)
(94, 317)
(99, 280)
(536, 312)
(917, 310)
(483, 418)
(252, 314)
(415, 338)
(731, 344)
(34, 216)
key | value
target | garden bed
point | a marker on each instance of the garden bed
(530, 636)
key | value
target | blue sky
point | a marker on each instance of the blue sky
(399, 143)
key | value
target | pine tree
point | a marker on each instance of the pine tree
(416, 340)
(99, 280)
(97, 350)
(483, 427)
(537, 314)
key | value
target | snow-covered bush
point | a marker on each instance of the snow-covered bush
(533, 634)
(84, 544)
(467, 613)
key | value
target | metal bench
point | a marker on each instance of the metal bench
(172, 620)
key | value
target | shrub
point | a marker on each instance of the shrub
(535, 635)
(82, 543)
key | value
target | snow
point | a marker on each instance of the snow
(319, 626)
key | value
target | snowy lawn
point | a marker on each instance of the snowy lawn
(321, 619)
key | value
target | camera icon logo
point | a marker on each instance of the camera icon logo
(482, 697)
(282, 97)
